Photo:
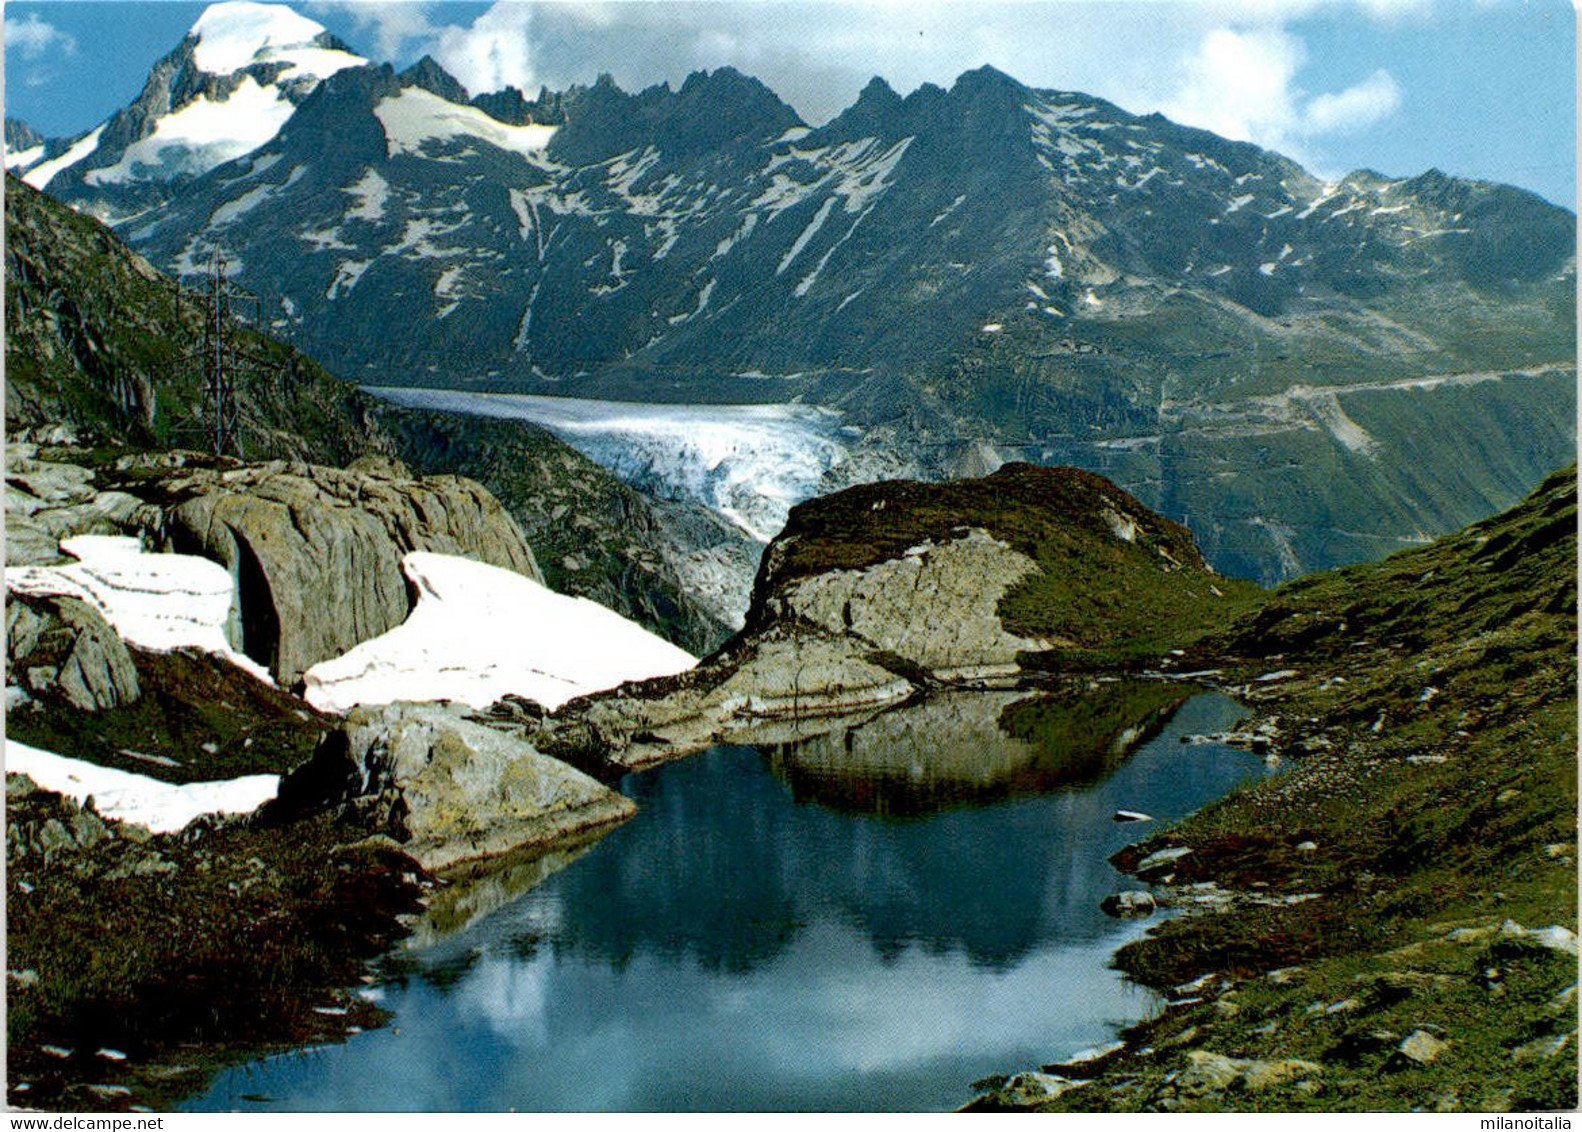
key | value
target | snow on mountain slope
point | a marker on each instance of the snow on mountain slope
(42, 174)
(162, 807)
(22, 158)
(479, 632)
(415, 116)
(751, 463)
(202, 134)
(155, 601)
(227, 88)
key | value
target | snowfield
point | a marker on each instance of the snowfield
(751, 463)
(155, 601)
(415, 116)
(208, 130)
(161, 806)
(201, 135)
(479, 632)
(41, 175)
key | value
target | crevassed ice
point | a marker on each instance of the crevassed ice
(751, 463)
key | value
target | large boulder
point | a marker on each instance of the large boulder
(936, 604)
(447, 789)
(62, 648)
(316, 552)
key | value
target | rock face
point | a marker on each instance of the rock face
(316, 552)
(63, 646)
(936, 605)
(447, 789)
(46, 501)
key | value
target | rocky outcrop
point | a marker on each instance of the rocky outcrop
(46, 501)
(789, 672)
(876, 593)
(61, 647)
(936, 606)
(314, 553)
(447, 789)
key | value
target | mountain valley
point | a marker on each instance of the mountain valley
(691, 609)
(968, 276)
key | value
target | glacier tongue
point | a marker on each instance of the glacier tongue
(750, 463)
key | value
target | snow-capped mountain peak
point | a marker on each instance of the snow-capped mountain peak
(227, 88)
(240, 33)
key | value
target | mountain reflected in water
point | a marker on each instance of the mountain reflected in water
(756, 938)
(975, 747)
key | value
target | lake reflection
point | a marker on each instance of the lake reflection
(767, 933)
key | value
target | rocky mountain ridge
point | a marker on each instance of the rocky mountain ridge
(230, 84)
(984, 273)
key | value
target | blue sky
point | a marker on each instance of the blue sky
(1480, 88)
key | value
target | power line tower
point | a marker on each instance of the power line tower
(226, 365)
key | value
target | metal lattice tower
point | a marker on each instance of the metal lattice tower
(225, 365)
(220, 414)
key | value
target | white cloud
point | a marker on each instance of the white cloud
(1373, 99)
(32, 38)
(495, 51)
(392, 25)
(1238, 84)
(1242, 84)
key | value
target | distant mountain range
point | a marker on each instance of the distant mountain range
(1305, 373)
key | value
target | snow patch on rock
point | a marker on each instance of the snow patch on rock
(415, 117)
(479, 632)
(163, 807)
(155, 601)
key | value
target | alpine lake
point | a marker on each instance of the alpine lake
(869, 917)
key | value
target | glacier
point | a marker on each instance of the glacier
(750, 463)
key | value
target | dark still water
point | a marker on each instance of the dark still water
(870, 919)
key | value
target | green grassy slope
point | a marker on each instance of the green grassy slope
(1432, 798)
(1110, 598)
(97, 339)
